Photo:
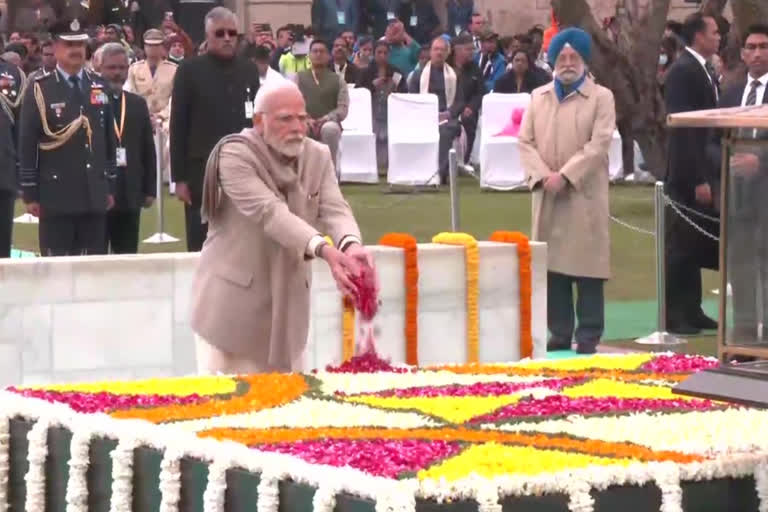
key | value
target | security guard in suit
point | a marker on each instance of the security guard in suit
(67, 150)
(12, 83)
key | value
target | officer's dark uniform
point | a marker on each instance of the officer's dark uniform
(11, 83)
(71, 182)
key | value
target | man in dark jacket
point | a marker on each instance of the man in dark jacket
(459, 89)
(67, 151)
(212, 97)
(692, 178)
(135, 154)
(10, 91)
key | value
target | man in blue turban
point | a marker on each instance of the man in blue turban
(564, 140)
(570, 50)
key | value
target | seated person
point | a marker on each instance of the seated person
(326, 96)
(459, 90)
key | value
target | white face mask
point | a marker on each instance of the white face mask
(663, 59)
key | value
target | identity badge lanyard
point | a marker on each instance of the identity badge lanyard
(120, 155)
(248, 104)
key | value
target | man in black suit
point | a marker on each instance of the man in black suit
(747, 215)
(10, 92)
(67, 150)
(135, 187)
(692, 178)
(212, 97)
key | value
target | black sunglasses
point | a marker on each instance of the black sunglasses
(223, 32)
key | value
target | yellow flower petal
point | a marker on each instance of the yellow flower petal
(179, 386)
(492, 460)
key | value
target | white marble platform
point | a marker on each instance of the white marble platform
(123, 317)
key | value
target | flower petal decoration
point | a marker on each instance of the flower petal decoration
(472, 261)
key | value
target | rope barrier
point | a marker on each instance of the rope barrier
(630, 227)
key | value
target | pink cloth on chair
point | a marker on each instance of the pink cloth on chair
(513, 126)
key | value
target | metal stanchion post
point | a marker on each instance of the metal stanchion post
(661, 336)
(160, 237)
(453, 181)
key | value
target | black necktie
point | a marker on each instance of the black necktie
(713, 78)
(76, 91)
(752, 96)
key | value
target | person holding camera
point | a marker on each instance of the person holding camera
(297, 59)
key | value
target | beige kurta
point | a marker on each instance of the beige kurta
(573, 138)
(237, 305)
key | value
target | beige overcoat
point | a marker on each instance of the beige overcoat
(571, 137)
(236, 304)
(155, 89)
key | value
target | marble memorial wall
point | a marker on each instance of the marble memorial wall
(125, 317)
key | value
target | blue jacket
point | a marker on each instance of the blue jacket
(498, 68)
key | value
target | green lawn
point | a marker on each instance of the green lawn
(424, 214)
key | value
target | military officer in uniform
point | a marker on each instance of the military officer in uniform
(153, 80)
(12, 82)
(67, 150)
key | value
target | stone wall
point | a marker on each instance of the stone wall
(125, 317)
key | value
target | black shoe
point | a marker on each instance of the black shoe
(587, 347)
(683, 329)
(558, 344)
(703, 322)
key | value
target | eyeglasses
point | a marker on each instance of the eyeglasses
(224, 32)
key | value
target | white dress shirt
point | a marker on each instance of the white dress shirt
(703, 62)
(760, 90)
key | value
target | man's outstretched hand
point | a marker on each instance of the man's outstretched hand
(363, 257)
(343, 268)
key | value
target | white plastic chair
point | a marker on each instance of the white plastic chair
(357, 159)
(615, 158)
(414, 139)
(500, 166)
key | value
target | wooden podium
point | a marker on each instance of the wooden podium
(744, 382)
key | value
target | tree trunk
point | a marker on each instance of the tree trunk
(628, 67)
(714, 7)
(747, 12)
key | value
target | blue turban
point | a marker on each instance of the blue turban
(578, 39)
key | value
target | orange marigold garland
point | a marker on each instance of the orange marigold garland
(409, 245)
(524, 269)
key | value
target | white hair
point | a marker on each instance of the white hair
(270, 89)
(218, 14)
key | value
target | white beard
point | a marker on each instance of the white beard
(291, 148)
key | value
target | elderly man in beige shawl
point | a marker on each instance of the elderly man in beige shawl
(564, 141)
(269, 193)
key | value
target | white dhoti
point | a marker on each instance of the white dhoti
(214, 361)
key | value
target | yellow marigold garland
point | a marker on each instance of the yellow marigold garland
(472, 255)
(409, 245)
(347, 322)
(348, 329)
(524, 272)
